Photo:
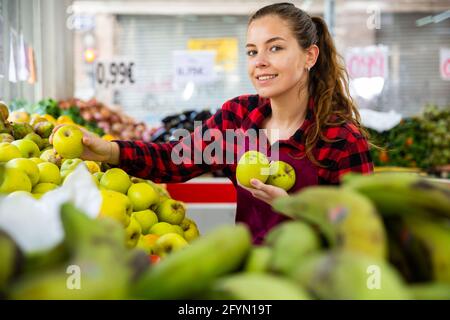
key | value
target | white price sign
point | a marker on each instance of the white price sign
(367, 62)
(114, 73)
(195, 66)
(444, 65)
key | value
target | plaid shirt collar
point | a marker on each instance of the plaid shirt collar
(263, 110)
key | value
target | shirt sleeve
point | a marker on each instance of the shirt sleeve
(354, 157)
(176, 161)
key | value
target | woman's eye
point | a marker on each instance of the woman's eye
(275, 48)
(251, 53)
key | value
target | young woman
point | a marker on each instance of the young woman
(302, 105)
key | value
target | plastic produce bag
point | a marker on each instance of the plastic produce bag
(35, 224)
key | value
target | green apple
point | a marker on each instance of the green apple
(142, 196)
(44, 187)
(167, 243)
(178, 230)
(37, 160)
(98, 176)
(161, 228)
(282, 175)
(50, 155)
(147, 242)
(190, 229)
(132, 233)
(116, 205)
(9, 151)
(70, 164)
(146, 218)
(171, 211)
(44, 128)
(49, 172)
(68, 141)
(27, 166)
(6, 137)
(252, 165)
(15, 180)
(28, 148)
(116, 179)
(35, 138)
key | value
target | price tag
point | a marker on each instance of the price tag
(114, 74)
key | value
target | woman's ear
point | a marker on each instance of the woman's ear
(312, 53)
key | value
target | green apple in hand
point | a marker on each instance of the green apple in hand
(67, 141)
(49, 172)
(171, 211)
(168, 243)
(146, 219)
(116, 205)
(142, 196)
(132, 233)
(27, 148)
(282, 175)
(9, 151)
(252, 165)
(14, 180)
(27, 166)
(116, 179)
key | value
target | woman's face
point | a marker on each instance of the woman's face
(276, 62)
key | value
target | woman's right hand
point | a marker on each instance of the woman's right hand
(95, 148)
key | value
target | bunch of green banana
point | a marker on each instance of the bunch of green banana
(402, 193)
(190, 271)
(347, 275)
(291, 242)
(344, 217)
(97, 268)
(255, 286)
(425, 244)
(11, 260)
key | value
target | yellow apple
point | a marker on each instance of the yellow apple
(92, 166)
(116, 205)
(167, 243)
(9, 151)
(15, 180)
(161, 228)
(27, 166)
(252, 165)
(132, 233)
(146, 218)
(37, 160)
(27, 148)
(67, 141)
(44, 187)
(282, 175)
(142, 196)
(116, 179)
(171, 211)
(147, 242)
(49, 172)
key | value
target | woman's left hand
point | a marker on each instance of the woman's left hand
(265, 192)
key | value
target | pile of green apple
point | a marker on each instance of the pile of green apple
(153, 220)
(255, 165)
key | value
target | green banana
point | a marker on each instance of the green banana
(402, 193)
(188, 272)
(291, 241)
(255, 286)
(98, 263)
(11, 260)
(430, 291)
(348, 275)
(259, 259)
(345, 218)
(427, 244)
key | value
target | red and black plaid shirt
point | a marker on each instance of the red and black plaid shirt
(348, 152)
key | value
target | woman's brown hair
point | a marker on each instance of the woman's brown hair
(328, 78)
